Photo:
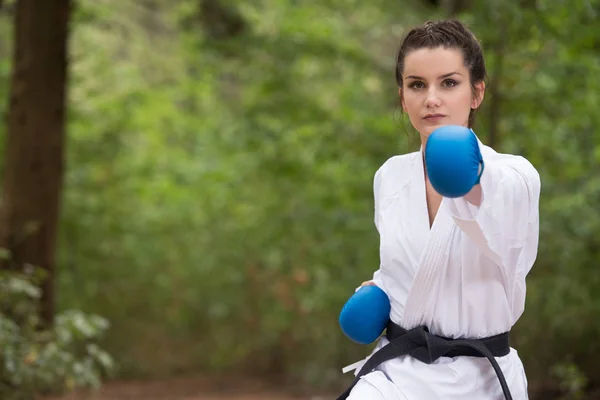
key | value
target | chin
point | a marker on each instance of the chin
(428, 130)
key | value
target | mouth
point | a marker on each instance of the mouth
(431, 117)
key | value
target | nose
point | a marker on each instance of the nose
(432, 100)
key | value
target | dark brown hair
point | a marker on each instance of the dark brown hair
(448, 33)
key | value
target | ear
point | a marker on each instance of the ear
(402, 99)
(478, 95)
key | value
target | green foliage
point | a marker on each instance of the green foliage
(224, 196)
(571, 380)
(196, 186)
(35, 359)
(218, 201)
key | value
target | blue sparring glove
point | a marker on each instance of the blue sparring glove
(365, 315)
(453, 160)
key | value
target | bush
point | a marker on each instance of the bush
(35, 360)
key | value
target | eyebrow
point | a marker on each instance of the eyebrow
(441, 77)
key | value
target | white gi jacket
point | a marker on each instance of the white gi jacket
(463, 278)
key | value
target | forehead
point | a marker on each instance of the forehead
(431, 63)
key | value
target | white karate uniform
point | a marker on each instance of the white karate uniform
(463, 278)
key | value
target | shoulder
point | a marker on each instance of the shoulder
(515, 165)
(395, 173)
(515, 161)
(396, 165)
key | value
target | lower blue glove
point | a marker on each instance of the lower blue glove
(453, 160)
(365, 315)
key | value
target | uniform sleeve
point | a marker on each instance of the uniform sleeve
(505, 226)
(376, 199)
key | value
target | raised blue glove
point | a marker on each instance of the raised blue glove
(365, 315)
(453, 160)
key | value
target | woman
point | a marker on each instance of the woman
(455, 266)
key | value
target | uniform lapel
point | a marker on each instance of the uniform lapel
(418, 214)
(432, 262)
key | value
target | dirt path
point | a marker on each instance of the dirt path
(232, 388)
(192, 388)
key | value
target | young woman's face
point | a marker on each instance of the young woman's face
(436, 89)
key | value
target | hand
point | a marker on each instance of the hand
(453, 160)
(366, 314)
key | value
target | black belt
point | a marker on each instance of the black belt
(425, 347)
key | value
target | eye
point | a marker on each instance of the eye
(449, 83)
(416, 85)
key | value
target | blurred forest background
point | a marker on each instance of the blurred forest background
(205, 206)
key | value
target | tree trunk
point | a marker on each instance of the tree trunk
(221, 21)
(33, 171)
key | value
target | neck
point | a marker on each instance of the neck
(423, 141)
(423, 161)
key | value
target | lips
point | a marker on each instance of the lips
(433, 116)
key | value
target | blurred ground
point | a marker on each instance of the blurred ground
(193, 388)
(245, 388)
